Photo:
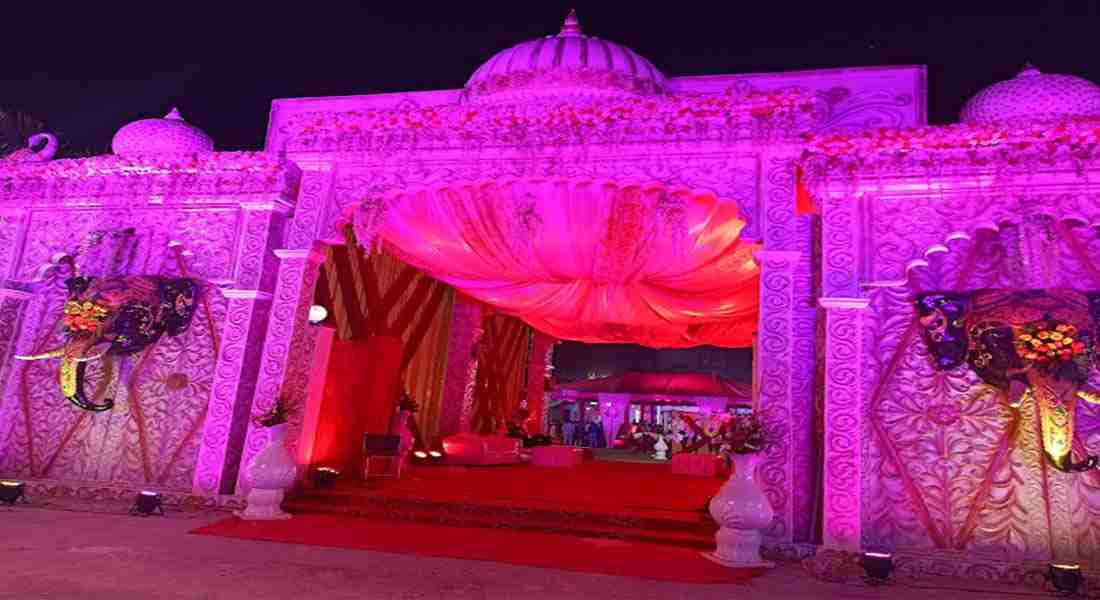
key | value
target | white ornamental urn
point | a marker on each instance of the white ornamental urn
(742, 511)
(271, 472)
(661, 449)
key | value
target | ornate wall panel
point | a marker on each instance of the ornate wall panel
(284, 368)
(223, 210)
(774, 362)
(947, 464)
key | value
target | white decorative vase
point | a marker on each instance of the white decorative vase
(271, 472)
(741, 510)
(661, 449)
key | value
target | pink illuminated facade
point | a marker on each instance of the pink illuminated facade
(572, 184)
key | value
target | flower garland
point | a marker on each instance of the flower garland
(278, 414)
(1048, 343)
(109, 164)
(83, 316)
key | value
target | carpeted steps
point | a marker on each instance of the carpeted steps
(683, 529)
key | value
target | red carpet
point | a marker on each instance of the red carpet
(569, 553)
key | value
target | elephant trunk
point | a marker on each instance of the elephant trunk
(71, 376)
(1057, 402)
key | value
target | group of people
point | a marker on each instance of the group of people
(589, 434)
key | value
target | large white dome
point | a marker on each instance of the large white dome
(567, 65)
(1034, 96)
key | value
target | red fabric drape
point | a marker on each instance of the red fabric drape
(588, 260)
(341, 421)
(502, 359)
(803, 200)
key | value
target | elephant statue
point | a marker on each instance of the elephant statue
(116, 316)
(41, 147)
(1045, 360)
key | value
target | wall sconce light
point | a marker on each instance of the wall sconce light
(317, 314)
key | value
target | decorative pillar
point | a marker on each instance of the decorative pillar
(542, 346)
(285, 365)
(239, 348)
(461, 367)
(843, 406)
(614, 411)
(774, 377)
(16, 335)
(234, 384)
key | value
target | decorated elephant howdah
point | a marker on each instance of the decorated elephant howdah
(1033, 345)
(116, 316)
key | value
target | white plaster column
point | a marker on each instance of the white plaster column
(461, 362)
(843, 407)
(285, 366)
(774, 375)
(235, 368)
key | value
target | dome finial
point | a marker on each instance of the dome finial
(174, 114)
(1028, 70)
(571, 26)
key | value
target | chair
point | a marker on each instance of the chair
(382, 447)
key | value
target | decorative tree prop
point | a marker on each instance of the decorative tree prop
(115, 317)
(1047, 360)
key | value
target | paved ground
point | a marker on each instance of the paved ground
(57, 552)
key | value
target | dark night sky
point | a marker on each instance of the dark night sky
(87, 71)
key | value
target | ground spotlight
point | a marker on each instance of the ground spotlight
(11, 492)
(325, 477)
(147, 503)
(1065, 577)
(877, 567)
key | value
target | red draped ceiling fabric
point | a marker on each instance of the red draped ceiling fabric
(587, 260)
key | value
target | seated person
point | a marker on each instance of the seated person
(515, 429)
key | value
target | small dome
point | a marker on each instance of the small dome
(170, 135)
(569, 64)
(1034, 96)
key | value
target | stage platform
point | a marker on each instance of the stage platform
(616, 500)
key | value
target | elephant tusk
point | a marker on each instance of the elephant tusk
(90, 358)
(58, 353)
(1089, 396)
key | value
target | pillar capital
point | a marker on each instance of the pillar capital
(843, 303)
(313, 255)
(256, 295)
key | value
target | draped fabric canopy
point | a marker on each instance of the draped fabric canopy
(582, 259)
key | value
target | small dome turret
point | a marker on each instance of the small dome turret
(1034, 96)
(170, 135)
